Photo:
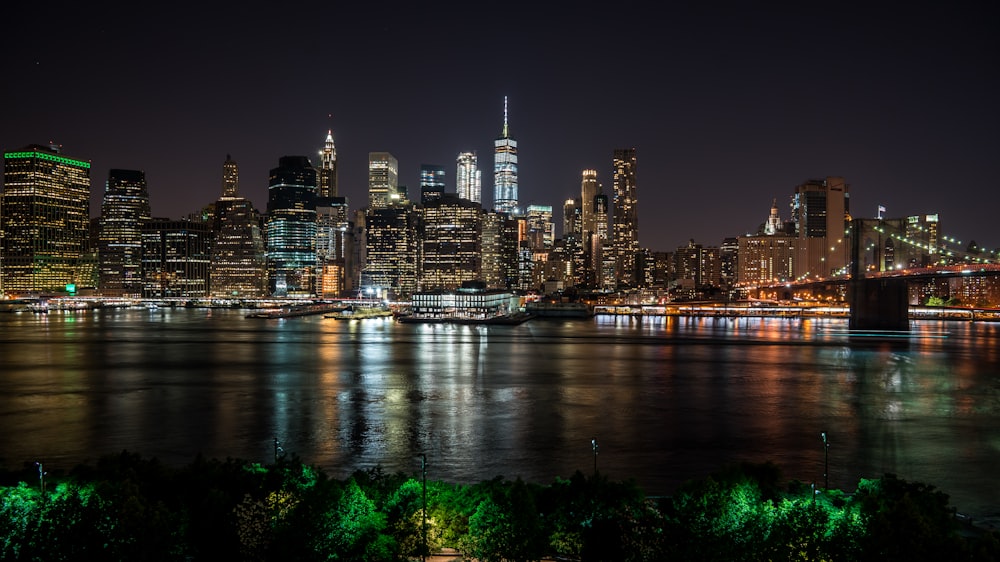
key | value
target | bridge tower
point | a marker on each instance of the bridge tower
(876, 304)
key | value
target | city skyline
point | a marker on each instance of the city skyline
(738, 103)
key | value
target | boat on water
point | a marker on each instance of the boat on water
(359, 313)
(501, 319)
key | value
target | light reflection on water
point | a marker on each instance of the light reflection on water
(668, 399)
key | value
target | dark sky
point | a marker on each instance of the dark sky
(728, 107)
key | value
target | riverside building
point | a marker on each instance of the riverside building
(44, 221)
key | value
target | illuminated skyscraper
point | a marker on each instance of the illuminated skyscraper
(468, 178)
(625, 226)
(431, 182)
(383, 180)
(450, 243)
(333, 235)
(44, 220)
(119, 245)
(238, 264)
(291, 227)
(541, 229)
(505, 169)
(391, 252)
(589, 188)
(500, 250)
(328, 168)
(230, 178)
(820, 209)
(175, 258)
(602, 258)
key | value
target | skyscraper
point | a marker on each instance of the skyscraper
(431, 182)
(820, 209)
(505, 169)
(625, 226)
(589, 188)
(468, 178)
(500, 250)
(383, 180)
(291, 227)
(390, 252)
(238, 264)
(541, 229)
(450, 243)
(44, 218)
(175, 258)
(328, 168)
(124, 211)
(333, 235)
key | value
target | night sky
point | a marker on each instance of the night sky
(728, 107)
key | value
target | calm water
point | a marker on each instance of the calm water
(667, 399)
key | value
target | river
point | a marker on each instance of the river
(666, 399)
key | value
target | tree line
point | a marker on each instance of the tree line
(126, 507)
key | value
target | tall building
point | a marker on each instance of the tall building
(328, 168)
(729, 253)
(698, 265)
(500, 250)
(589, 188)
(230, 178)
(44, 221)
(432, 185)
(572, 221)
(450, 243)
(625, 225)
(468, 178)
(124, 211)
(505, 169)
(291, 228)
(602, 258)
(175, 258)
(238, 264)
(333, 237)
(390, 252)
(820, 210)
(541, 229)
(383, 180)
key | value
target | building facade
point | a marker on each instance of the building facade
(450, 243)
(390, 252)
(124, 212)
(432, 182)
(383, 180)
(820, 211)
(238, 264)
(468, 177)
(175, 258)
(291, 228)
(625, 224)
(44, 221)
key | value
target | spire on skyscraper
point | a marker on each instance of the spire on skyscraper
(328, 167)
(506, 132)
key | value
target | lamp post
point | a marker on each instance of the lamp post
(826, 461)
(423, 474)
(593, 445)
(41, 479)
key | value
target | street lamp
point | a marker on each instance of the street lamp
(593, 444)
(41, 478)
(826, 461)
